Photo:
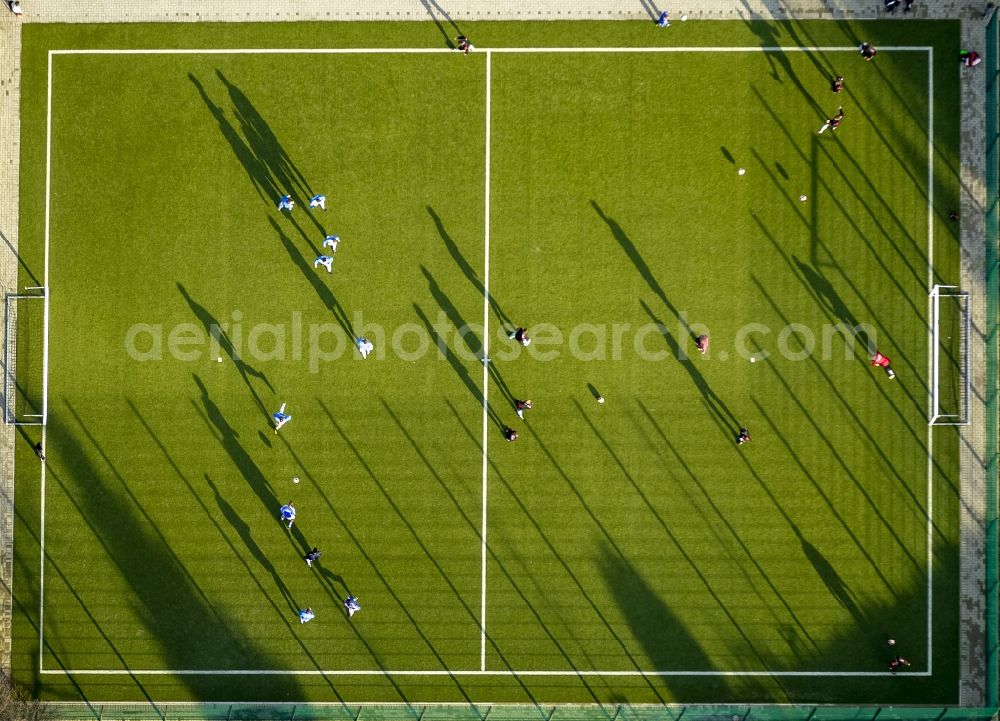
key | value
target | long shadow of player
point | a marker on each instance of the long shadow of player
(725, 416)
(264, 144)
(467, 269)
(214, 329)
(255, 167)
(831, 300)
(243, 529)
(431, 6)
(832, 580)
(474, 344)
(640, 264)
(322, 290)
(460, 370)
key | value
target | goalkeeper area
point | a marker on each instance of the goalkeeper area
(950, 357)
(748, 521)
(25, 318)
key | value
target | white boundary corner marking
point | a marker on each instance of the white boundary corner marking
(486, 355)
(482, 671)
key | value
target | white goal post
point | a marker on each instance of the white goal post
(949, 356)
(25, 393)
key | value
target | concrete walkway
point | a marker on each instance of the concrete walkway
(972, 179)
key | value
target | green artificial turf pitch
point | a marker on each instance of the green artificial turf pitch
(625, 537)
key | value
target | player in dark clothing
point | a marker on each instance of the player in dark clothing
(834, 122)
(39, 451)
(521, 407)
(463, 44)
(867, 51)
(521, 336)
(702, 343)
(743, 437)
(509, 434)
(896, 664)
(838, 84)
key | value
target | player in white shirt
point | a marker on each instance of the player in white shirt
(280, 418)
(326, 261)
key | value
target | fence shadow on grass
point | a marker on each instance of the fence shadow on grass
(416, 537)
(525, 596)
(850, 409)
(665, 638)
(708, 498)
(626, 473)
(169, 598)
(776, 432)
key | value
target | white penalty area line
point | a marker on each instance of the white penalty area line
(464, 672)
(438, 51)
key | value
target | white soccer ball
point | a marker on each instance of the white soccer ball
(683, 18)
(295, 480)
(742, 171)
(803, 198)
(752, 359)
(219, 359)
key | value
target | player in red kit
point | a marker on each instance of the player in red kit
(881, 360)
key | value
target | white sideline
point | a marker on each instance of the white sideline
(432, 51)
(482, 671)
(441, 672)
(486, 361)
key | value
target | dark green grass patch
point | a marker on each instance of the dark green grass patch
(630, 536)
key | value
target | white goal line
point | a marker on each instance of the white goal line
(435, 51)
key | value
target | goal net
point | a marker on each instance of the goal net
(950, 326)
(24, 358)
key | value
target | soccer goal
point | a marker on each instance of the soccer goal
(25, 357)
(950, 327)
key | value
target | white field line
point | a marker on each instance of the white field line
(437, 51)
(930, 378)
(482, 671)
(486, 361)
(48, 196)
(468, 672)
